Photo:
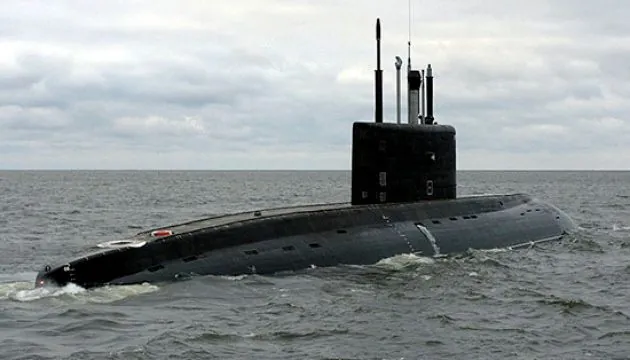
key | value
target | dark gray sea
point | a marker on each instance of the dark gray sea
(563, 300)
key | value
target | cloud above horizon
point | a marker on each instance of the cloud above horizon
(276, 84)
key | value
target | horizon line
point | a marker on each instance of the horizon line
(298, 170)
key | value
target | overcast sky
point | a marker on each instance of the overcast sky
(277, 84)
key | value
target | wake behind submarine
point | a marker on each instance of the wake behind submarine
(403, 200)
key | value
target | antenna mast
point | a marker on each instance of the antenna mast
(414, 81)
(398, 65)
(378, 77)
(409, 40)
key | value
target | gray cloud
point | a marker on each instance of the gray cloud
(278, 83)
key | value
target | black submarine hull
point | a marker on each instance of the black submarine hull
(294, 238)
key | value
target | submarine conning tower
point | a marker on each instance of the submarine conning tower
(399, 163)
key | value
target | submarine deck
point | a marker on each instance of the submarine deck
(225, 219)
(475, 202)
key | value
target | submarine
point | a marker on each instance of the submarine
(403, 200)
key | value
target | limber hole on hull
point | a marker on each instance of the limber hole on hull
(284, 248)
(155, 268)
(455, 218)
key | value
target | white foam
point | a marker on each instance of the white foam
(234, 277)
(402, 261)
(108, 294)
(23, 291)
(495, 250)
